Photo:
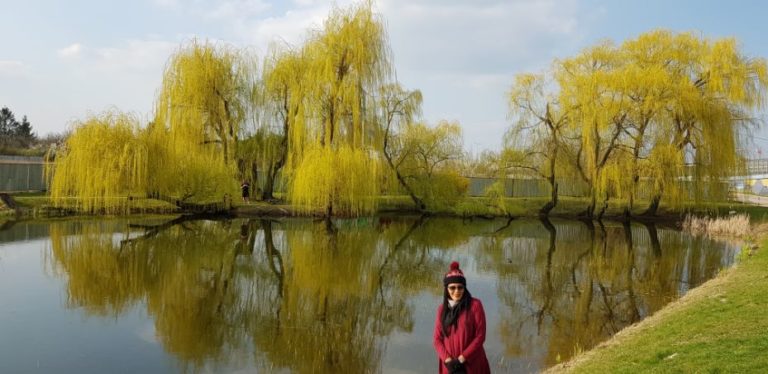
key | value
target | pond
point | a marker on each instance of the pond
(292, 295)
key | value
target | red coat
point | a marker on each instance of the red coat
(466, 339)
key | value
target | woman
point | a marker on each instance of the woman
(460, 328)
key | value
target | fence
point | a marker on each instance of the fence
(19, 173)
(519, 187)
(757, 166)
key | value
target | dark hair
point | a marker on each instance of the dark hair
(450, 316)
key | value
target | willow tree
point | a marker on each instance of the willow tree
(102, 162)
(716, 90)
(666, 107)
(334, 134)
(648, 86)
(205, 94)
(398, 108)
(282, 100)
(591, 87)
(539, 122)
(202, 104)
(427, 157)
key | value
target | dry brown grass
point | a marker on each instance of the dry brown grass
(735, 225)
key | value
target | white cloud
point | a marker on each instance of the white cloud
(236, 9)
(227, 11)
(291, 27)
(71, 51)
(166, 3)
(487, 36)
(125, 76)
(305, 2)
(135, 55)
(461, 54)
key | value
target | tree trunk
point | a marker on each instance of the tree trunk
(269, 185)
(627, 214)
(420, 206)
(590, 211)
(601, 213)
(654, 207)
(270, 177)
(552, 203)
(544, 211)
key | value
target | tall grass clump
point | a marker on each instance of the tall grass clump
(733, 225)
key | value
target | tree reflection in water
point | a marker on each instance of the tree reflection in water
(294, 295)
(306, 298)
(567, 294)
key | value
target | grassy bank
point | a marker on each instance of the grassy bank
(719, 327)
(570, 207)
(38, 204)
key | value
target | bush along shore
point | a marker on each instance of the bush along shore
(718, 327)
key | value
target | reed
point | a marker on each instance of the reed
(732, 225)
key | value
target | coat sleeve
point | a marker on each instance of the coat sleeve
(476, 344)
(437, 337)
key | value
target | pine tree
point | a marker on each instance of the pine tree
(7, 125)
(23, 133)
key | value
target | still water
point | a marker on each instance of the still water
(272, 296)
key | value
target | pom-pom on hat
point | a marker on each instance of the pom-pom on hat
(454, 275)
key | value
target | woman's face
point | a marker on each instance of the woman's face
(455, 291)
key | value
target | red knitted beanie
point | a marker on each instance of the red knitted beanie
(454, 275)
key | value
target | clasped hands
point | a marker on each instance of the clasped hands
(455, 365)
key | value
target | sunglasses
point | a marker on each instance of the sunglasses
(455, 288)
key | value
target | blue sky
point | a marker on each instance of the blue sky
(61, 60)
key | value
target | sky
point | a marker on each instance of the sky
(63, 60)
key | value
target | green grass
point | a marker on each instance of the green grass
(569, 206)
(720, 327)
(470, 206)
(40, 203)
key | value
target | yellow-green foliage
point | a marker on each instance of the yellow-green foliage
(183, 153)
(103, 159)
(204, 97)
(660, 90)
(662, 166)
(202, 103)
(441, 190)
(348, 58)
(346, 61)
(189, 173)
(264, 149)
(277, 102)
(427, 158)
(345, 179)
